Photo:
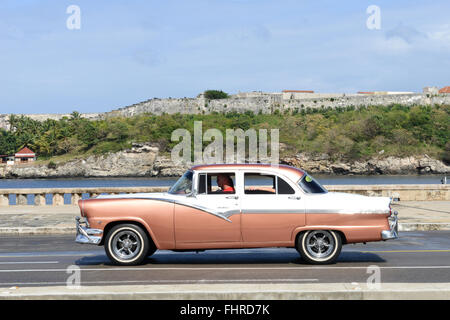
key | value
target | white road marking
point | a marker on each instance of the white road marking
(28, 262)
(161, 253)
(162, 281)
(222, 268)
(35, 255)
(406, 251)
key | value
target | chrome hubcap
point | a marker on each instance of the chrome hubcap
(126, 244)
(320, 244)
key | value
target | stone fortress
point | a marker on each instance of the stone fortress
(287, 100)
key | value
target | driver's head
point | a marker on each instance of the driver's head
(224, 180)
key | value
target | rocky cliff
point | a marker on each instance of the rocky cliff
(144, 160)
(389, 165)
(140, 161)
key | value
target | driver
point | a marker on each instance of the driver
(225, 183)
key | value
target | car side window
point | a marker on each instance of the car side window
(201, 183)
(256, 183)
(284, 187)
(216, 183)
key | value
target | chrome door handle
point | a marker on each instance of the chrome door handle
(295, 197)
(232, 197)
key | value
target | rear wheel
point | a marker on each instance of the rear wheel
(319, 246)
(127, 244)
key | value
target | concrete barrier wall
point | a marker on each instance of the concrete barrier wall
(405, 192)
(57, 195)
(427, 192)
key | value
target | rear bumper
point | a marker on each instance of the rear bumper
(86, 235)
(392, 233)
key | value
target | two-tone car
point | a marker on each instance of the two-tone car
(234, 206)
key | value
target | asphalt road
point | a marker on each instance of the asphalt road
(417, 257)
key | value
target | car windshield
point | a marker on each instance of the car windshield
(183, 185)
(310, 185)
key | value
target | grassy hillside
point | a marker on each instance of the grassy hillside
(345, 133)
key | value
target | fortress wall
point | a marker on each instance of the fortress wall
(267, 103)
(255, 102)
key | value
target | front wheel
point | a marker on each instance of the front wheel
(127, 244)
(319, 246)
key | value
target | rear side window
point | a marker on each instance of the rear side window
(284, 187)
(255, 183)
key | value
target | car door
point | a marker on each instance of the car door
(210, 218)
(272, 207)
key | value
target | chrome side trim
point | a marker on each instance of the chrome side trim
(273, 211)
(220, 214)
(348, 211)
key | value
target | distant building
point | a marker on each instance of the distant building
(6, 159)
(384, 92)
(431, 90)
(445, 90)
(398, 92)
(25, 155)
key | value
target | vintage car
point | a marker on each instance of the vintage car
(235, 206)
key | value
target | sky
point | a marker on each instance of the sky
(125, 52)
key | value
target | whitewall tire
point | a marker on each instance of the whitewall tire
(127, 244)
(319, 246)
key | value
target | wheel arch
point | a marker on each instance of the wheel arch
(300, 231)
(140, 224)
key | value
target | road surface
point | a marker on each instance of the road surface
(417, 257)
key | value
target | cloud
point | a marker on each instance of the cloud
(405, 33)
(406, 39)
(441, 35)
(258, 33)
(11, 32)
(148, 58)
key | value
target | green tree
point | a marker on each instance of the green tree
(215, 94)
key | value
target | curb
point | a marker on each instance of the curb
(424, 226)
(24, 231)
(37, 231)
(323, 291)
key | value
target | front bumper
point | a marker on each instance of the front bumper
(393, 226)
(86, 235)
